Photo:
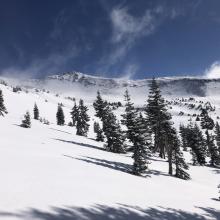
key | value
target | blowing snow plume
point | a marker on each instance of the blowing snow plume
(213, 71)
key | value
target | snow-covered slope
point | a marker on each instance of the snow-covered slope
(49, 173)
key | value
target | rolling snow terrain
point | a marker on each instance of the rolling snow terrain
(50, 173)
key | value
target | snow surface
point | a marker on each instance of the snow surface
(48, 172)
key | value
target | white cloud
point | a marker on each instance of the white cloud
(126, 26)
(213, 71)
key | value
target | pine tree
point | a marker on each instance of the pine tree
(2, 105)
(142, 141)
(82, 125)
(36, 112)
(129, 117)
(98, 131)
(157, 117)
(197, 143)
(213, 150)
(100, 106)
(180, 164)
(184, 136)
(60, 115)
(26, 122)
(206, 121)
(74, 114)
(112, 130)
(175, 156)
(217, 136)
(114, 134)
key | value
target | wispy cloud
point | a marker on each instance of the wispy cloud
(128, 29)
(213, 71)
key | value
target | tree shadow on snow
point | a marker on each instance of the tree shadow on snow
(118, 166)
(126, 168)
(216, 171)
(101, 212)
(60, 130)
(80, 144)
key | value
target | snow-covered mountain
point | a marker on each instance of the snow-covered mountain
(198, 86)
(50, 173)
(73, 82)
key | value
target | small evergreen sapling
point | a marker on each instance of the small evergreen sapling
(36, 112)
(26, 122)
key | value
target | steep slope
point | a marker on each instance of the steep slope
(48, 172)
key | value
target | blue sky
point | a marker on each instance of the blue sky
(113, 38)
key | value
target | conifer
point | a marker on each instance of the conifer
(74, 114)
(26, 122)
(60, 115)
(36, 112)
(157, 117)
(98, 131)
(82, 126)
(2, 105)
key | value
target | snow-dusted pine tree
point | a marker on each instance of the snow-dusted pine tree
(213, 150)
(184, 133)
(36, 112)
(197, 143)
(157, 117)
(60, 115)
(206, 120)
(100, 106)
(2, 105)
(175, 155)
(129, 117)
(26, 122)
(82, 126)
(113, 133)
(111, 127)
(179, 161)
(74, 114)
(217, 136)
(141, 139)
